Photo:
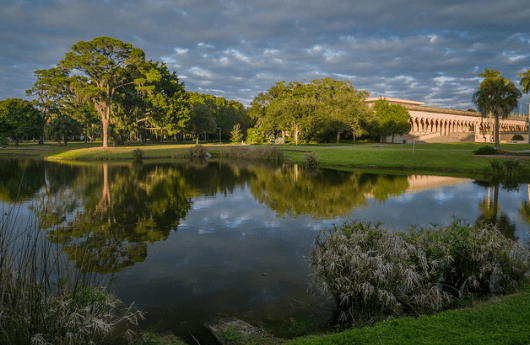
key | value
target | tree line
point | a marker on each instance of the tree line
(107, 89)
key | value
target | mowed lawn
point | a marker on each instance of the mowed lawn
(441, 157)
(427, 157)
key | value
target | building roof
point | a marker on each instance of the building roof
(394, 100)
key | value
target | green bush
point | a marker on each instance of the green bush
(496, 166)
(373, 273)
(3, 140)
(485, 150)
(512, 165)
(138, 154)
(311, 160)
(517, 137)
(255, 136)
(236, 135)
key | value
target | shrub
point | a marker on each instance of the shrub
(511, 165)
(199, 151)
(255, 136)
(311, 160)
(372, 273)
(517, 137)
(485, 150)
(3, 140)
(236, 135)
(138, 154)
(496, 166)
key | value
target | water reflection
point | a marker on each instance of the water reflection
(202, 238)
(490, 209)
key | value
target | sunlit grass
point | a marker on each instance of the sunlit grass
(440, 157)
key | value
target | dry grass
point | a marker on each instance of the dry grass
(43, 298)
(373, 273)
(244, 152)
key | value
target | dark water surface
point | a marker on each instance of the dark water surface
(190, 242)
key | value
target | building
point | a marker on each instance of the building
(430, 124)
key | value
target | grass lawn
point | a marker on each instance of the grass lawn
(453, 158)
(428, 157)
(503, 322)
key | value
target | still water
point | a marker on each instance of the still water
(193, 241)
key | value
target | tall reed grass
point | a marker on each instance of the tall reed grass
(44, 299)
(271, 153)
(373, 274)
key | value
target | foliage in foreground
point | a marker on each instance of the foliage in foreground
(505, 322)
(373, 273)
(44, 299)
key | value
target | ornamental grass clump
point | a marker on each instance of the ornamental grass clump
(199, 151)
(251, 152)
(373, 273)
(44, 299)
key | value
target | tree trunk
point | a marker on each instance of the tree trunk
(497, 135)
(338, 137)
(392, 138)
(105, 123)
(296, 134)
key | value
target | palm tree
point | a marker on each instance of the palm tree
(489, 73)
(525, 83)
(497, 95)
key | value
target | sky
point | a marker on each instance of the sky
(422, 50)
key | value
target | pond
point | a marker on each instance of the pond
(190, 242)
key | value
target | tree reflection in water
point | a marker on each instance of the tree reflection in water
(110, 213)
(490, 210)
(323, 194)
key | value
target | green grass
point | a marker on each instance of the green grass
(427, 157)
(504, 322)
(76, 151)
(453, 158)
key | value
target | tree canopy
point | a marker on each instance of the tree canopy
(18, 119)
(310, 110)
(391, 119)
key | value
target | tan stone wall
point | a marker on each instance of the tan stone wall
(429, 122)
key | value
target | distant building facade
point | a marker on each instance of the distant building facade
(430, 124)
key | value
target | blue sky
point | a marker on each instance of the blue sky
(422, 50)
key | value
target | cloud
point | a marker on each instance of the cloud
(427, 51)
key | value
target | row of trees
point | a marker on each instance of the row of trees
(321, 110)
(107, 88)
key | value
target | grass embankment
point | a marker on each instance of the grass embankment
(502, 322)
(452, 158)
(76, 151)
(426, 157)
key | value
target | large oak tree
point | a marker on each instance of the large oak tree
(109, 65)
